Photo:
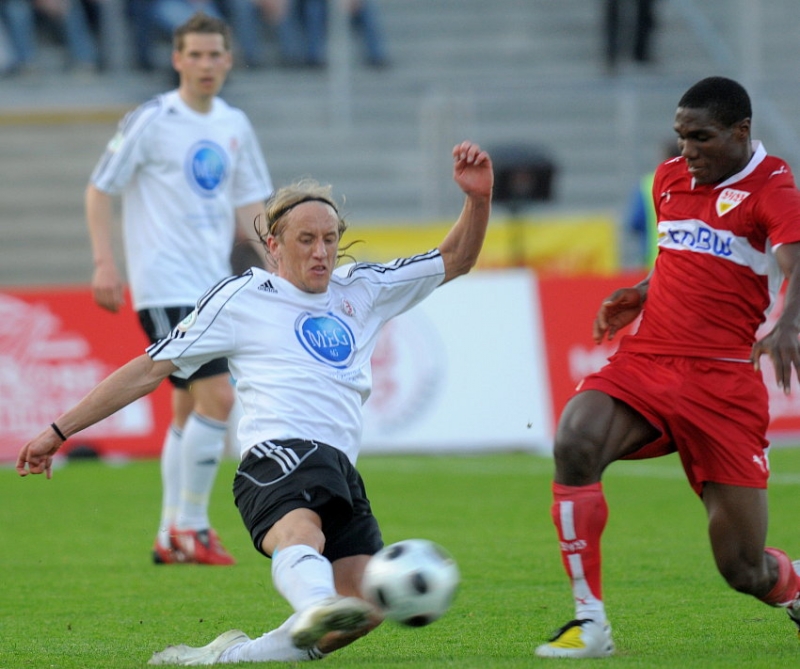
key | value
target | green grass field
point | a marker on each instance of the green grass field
(79, 590)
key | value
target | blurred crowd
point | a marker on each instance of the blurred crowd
(298, 29)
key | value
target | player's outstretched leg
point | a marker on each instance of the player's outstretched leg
(235, 647)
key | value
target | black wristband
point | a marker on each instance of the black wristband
(58, 432)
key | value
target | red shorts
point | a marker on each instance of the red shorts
(712, 412)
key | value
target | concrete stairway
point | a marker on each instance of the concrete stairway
(506, 72)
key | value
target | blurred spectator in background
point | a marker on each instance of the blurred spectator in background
(154, 19)
(628, 26)
(640, 217)
(68, 19)
(6, 50)
(303, 31)
(141, 30)
(244, 17)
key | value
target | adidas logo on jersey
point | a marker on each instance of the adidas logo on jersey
(267, 287)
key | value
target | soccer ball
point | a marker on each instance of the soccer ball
(412, 582)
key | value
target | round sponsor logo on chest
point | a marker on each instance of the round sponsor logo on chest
(206, 168)
(327, 338)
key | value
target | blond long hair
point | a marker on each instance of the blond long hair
(286, 198)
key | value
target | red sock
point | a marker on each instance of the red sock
(580, 514)
(787, 587)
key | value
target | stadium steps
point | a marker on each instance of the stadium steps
(511, 71)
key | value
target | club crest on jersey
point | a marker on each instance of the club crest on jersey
(347, 308)
(205, 168)
(728, 199)
(187, 322)
(116, 143)
(326, 338)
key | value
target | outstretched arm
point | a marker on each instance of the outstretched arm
(781, 343)
(472, 171)
(130, 382)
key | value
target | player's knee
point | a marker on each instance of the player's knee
(298, 527)
(577, 456)
(214, 400)
(224, 403)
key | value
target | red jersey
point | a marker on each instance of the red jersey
(715, 275)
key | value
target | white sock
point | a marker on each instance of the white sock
(203, 443)
(170, 483)
(302, 576)
(586, 604)
(274, 646)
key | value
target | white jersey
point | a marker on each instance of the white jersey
(301, 361)
(181, 174)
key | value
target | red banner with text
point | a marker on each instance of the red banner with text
(569, 305)
(56, 344)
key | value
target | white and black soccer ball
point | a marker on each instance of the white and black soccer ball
(412, 582)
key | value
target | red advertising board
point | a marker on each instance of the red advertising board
(55, 345)
(569, 305)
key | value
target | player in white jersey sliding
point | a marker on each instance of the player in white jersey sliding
(689, 379)
(192, 179)
(299, 343)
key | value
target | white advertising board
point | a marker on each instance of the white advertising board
(463, 371)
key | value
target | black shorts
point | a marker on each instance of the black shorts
(279, 476)
(158, 322)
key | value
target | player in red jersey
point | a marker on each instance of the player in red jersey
(689, 379)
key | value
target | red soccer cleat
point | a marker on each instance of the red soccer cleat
(169, 555)
(200, 547)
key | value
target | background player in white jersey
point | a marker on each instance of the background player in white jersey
(689, 379)
(192, 180)
(299, 342)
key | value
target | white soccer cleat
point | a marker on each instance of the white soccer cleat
(334, 614)
(579, 639)
(187, 656)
